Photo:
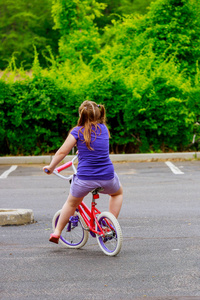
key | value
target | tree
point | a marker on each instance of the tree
(121, 7)
(23, 24)
(79, 36)
(172, 28)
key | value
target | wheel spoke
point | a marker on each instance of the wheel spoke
(73, 236)
(112, 241)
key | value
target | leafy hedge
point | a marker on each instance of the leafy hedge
(147, 110)
(35, 116)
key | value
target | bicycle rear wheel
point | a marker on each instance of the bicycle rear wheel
(73, 235)
(111, 243)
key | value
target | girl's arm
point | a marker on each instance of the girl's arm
(67, 146)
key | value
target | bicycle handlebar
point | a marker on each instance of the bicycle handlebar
(65, 166)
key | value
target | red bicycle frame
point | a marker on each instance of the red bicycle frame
(90, 222)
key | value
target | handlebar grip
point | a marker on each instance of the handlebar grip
(46, 170)
(65, 166)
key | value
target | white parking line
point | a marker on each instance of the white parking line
(173, 168)
(6, 173)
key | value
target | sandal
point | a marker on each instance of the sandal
(54, 238)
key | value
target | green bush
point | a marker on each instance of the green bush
(157, 116)
(172, 27)
(147, 107)
(36, 116)
(152, 108)
(79, 36)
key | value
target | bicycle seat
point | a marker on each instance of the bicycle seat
(97, 190)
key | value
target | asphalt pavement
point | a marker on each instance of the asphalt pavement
(161, 238)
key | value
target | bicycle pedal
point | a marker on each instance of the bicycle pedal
(74, 220)
(107, 238)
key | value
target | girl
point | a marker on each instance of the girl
(95, 168)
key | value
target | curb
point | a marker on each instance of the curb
(10, 160)
(46, 159)
(154, 156)
(16, 216)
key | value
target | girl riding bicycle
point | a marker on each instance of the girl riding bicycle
(95, 168)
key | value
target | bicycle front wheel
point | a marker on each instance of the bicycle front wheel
(111, 242)
(73, 235)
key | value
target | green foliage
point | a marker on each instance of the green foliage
(26, 23)
(121, 45)
(157, 115)
(144, 69)
(36, 116)
(172, 27)
(147, 109)
(79, 36)
(194, 106)
(22, 25)
(117, 8)
(110, 89)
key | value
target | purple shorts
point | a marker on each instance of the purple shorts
(80, 188)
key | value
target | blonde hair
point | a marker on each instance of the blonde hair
(90, 114)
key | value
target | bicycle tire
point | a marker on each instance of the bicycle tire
(112, 242)
(75, 238)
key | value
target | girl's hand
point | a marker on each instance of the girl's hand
(47, 170)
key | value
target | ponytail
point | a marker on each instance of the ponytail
(102, 113)
(90, 114)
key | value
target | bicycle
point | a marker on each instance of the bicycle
(104, 226)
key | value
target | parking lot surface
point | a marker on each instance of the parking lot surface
(160, 257)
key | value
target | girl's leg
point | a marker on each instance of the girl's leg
(67, 211)
(115, 203)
